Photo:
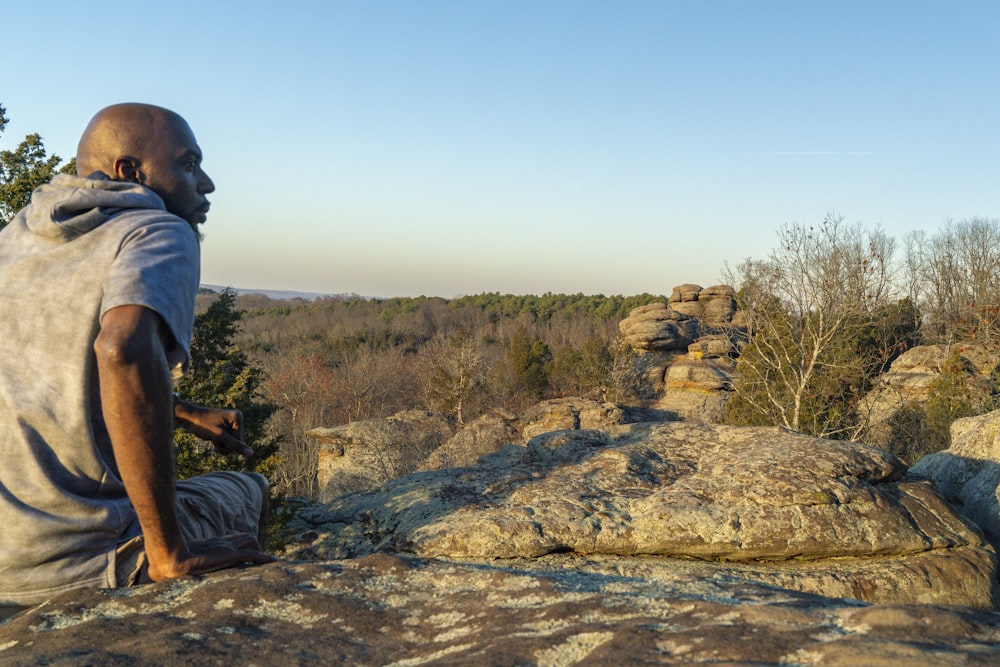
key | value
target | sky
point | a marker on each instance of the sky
(439, 148)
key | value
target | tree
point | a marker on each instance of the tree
(24, 169)
(958, 391)
(955, 276)
(221, 375)
(456, 374)
(810, 308)
(582, 370)
(530, 359)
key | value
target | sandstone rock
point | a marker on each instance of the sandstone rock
(570, 413)
(711, 346)
(480, 437)
(685, 292)
(718, 306)
(364, 454)
(968, 472)
(908, 382)
(697, 388)
(659, 328)
(684, 299)
(819, 516)
(392, 610)
(714, 306)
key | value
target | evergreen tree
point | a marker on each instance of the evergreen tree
(24, 169)
(530, 359)
(221, 375)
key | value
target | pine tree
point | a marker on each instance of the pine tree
(24, 169)
(221, 375)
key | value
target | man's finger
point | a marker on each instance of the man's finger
(227, 444)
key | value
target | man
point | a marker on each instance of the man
(99, 276)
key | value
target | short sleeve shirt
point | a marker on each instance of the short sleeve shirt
(62, 502)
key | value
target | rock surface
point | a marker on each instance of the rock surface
(657, 327)
(968, 472)
(908, 383)
(361, 455)
(714, 306)
(402, 611)
(813, 515)
(698, 384)
(668, 543)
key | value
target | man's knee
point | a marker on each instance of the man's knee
(261, 481)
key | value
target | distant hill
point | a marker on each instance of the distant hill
(277, 294)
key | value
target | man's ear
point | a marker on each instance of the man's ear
(129, 169)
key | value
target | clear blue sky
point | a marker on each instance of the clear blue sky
(448, 148)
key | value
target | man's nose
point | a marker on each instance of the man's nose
(206, 185)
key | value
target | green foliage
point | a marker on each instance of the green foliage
(580, 371)
(222, 376)
(22, 170)
(912, 436)
(551, 306)
(530, 359)
(959, 391)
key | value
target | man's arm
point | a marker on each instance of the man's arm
(138, 410)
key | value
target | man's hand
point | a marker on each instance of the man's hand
(209, 555)
(223, 428)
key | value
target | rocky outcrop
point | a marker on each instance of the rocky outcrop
(762, 504)
(670, 543)
(968, 472)
(685, 349)
(571, 413)
(713, 306)
(656, 327)
(908, 382)
(480, 437)
(398, 610)
(363, 454)
(699, 384)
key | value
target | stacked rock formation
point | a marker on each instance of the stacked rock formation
(968, 472)
(685, 349)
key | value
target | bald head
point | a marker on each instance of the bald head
(124, 130)
(152, 146)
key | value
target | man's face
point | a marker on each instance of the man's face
(173, 171)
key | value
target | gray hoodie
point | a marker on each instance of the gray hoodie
(81, 247)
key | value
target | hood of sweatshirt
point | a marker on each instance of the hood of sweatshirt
(70, 206)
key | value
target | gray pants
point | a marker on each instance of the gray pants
(212, 505)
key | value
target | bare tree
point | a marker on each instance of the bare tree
(956, 280)
(808, 307)
(454, 372)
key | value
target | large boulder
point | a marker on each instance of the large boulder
(571, 413)
(698, 384)
(491, 432)
(656, 327)
(398, 610)
(909, 379)
(785, 509)
(713, 306)
(361, 455)
(968, 472)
